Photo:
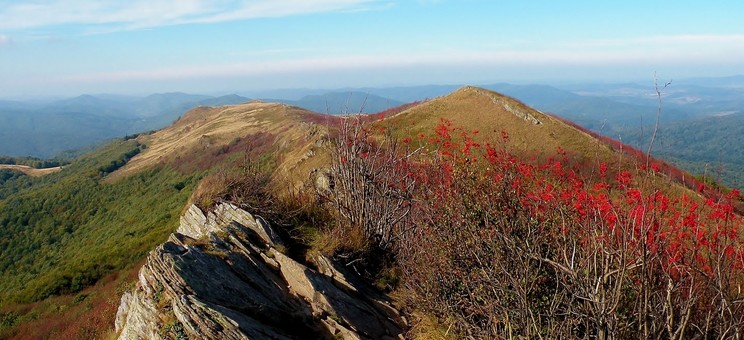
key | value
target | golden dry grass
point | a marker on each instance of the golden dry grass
(31, 171)
(473, 108)
(299, 145)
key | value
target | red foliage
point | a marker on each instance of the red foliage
(665, 244)
(90, 318)
(652, 214)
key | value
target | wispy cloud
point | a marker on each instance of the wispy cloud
(591, 56)
(679, 40)
(136, 14)
(4, 39)
(271, 52)
(679, 53)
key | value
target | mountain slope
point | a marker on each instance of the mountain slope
(66, 231)
(488, 112)
(206, 134)
(517, 229)
(105, 211)
(533, 134)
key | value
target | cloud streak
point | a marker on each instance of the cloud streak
(662, 41)
(668, 50)
(572, 60)
(137, 14)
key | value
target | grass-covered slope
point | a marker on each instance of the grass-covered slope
(207, 136)
(490, 113)
(532, 134)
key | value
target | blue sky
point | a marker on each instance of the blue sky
(69, 47)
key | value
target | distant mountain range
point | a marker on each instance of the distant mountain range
(45, 129)
(343, 102)
(623, 111)
(33, 129)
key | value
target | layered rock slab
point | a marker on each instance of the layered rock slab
(220, 277)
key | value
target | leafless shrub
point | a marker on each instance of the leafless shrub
(369, 188)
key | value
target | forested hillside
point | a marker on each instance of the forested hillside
(62, 232)
(710, 146)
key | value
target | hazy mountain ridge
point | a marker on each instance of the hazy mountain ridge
(621, 111)
(30, 129)
(342, 102)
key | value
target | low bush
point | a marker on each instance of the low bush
(498, 246)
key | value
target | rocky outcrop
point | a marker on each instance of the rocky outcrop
(220, 276)
(520, 112)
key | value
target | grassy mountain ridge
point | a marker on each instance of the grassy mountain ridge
(107, 209)
(65, 231)
(207, 132)
(489, 113)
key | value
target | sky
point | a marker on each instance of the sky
(71, 47)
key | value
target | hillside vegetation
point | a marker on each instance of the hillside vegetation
(62, 232)
(488, 238)
(708, 146)
(102, 213)
(481, 216)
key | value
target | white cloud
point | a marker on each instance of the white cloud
(4, 39)
(121, 15)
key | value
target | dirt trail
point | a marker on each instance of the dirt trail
(31, 171)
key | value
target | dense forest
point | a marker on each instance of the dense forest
(62, 232)
(708, 146)
(33, 162)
